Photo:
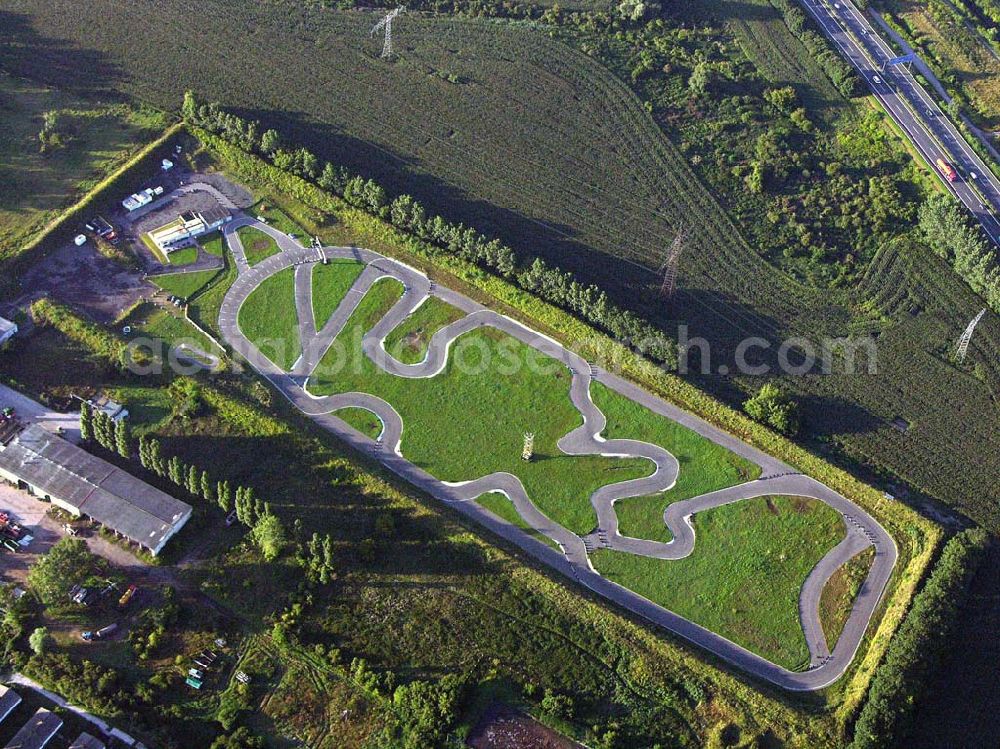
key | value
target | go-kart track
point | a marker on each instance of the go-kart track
(777, 477)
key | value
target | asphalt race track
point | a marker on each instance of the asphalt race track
(861, 530)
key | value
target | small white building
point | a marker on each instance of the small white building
(112, 409)
(182, 231)
(8, 330)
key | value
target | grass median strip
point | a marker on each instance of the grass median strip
(839, 594)
(257, 245)
(268, 319)
(745, 574)
(408, 342)
(361, 419)
(502, 507)
(469, 421)
(704, 465)
(330, 284)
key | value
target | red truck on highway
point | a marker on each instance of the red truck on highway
(947, 170)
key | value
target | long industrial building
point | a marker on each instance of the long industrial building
(73, 479)
(37, 732)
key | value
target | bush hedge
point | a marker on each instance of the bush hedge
(919, 644)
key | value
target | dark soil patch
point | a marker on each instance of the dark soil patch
(502, 727)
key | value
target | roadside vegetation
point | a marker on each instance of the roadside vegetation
(958, 39)
(704, 465)
(745, 574)
(330, 284)
(919, 646)
(269, 320)
(408, 341)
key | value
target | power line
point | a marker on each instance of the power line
(386, 23)
(670, 265)
(966, 337)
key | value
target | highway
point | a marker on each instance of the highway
(912, 108)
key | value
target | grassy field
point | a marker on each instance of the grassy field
(95, 139)
(704, 465)
(408, 341)
(257, 245)
(744, 576)
(184, 285)
(184, 256)
(330, 283)
(168, 326)
(363, 420)
(268, 319)
(961, 57)
(840, 592)
(214, 244)
(501, 506)
(277, 218)
(553, 150)
(455, 427)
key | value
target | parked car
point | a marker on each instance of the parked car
(99, 634)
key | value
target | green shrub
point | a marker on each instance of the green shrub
(917, 648)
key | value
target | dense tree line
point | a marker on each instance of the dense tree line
(949, 232)
(554, 285)
(836, 68)
(253, 512)
(919, 644)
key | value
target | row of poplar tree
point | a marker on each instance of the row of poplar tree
(316, 556)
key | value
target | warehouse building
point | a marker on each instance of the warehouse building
(9, 699)
(8, 330)
(37, 732)
(84, 485)
(182, 231)
(86, 741)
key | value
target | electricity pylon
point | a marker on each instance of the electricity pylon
(386, 23)
(529, 446)
(963, 341)
(670, 265)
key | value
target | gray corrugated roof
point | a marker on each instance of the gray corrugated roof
(37, 731)
(9, 699)
(86, 741)
(213, 214)
(107, 494)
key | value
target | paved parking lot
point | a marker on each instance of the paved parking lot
(29, 411)
(31, 514)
